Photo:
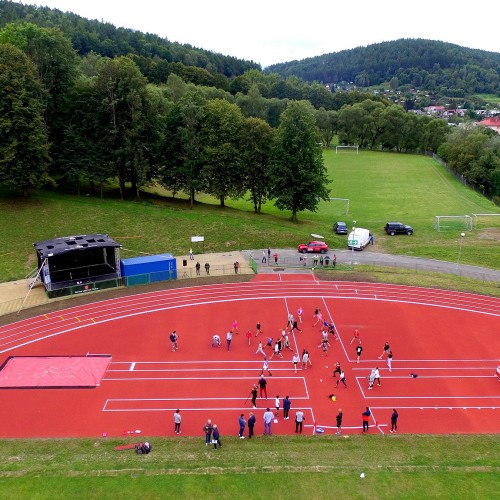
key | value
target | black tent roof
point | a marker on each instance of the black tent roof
(58, 246)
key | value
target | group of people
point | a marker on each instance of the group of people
(198, 268)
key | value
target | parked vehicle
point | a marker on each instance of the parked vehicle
(313, 247)
(358, 239)
(393, 228)
(340, 228)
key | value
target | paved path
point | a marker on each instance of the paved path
(290, 258)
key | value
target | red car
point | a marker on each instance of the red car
(313, 246)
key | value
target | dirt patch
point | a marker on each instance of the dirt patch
(489, 234)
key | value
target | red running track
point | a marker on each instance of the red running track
(449, 339)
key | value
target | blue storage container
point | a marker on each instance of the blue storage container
(148, 269)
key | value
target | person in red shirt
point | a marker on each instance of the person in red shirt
(356, 337)
(249, 337)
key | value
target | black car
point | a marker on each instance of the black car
(340, 228)
(393, 228)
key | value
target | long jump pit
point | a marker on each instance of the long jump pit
(53, 372)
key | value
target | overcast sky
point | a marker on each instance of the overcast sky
(273, 31)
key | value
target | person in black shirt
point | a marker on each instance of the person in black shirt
(359, 350)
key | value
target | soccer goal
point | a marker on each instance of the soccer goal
(346, 148)
(485, 220)
(340, 205)
(453, 223)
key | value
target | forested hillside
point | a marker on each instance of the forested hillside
(105, 39)
(425, 64)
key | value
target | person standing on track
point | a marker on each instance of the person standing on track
(177, 422)
(234, 328)
(299, 420)
(394, 420)
(295, 326)
(251, 424)
(305, 359)
(386, 350)
(258, 328)
(173, 340)
(366, 419)
(260, 349)
(371, 379)
(216, 341)
(242, 423)
(337, 369)
(249, 337)
(277, 406)
(229, 337)
(377, 376)
(338, 418)
(289, 323)
(359, 350)
(254, 395)
(295, 360)
(263, 387)
(268, 419)
(286, 407)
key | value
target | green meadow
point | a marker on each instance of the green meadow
(380, 187)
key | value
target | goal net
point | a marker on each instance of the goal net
(453, 223)
(482, 221)
(340, 205)
(346, 148)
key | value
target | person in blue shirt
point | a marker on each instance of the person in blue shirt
(286, 407)
(251, 425)
(242, 423)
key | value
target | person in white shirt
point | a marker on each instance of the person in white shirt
(296, 360)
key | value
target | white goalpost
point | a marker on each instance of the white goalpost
(341, 202)
(486, 220)
(346, 148)
(453, 222)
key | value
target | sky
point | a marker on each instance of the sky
(274, 31)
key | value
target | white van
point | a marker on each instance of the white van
(358, 239)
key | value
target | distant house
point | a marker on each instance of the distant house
(434, 110)
(493, 123)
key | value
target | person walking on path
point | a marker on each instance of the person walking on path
(254, 395)
(264, 259)
(268, 256)
(394, 420)
(216, 437)
(389, 360)
(334, 260)
(260, 349)
(371, 379)
(236, 267)
(207, 429)
(300, 312)
(177, 422)
(377, 376)
(275, 256)
(229, 337)
(295, 360)
(286, 407)
(359, 350)
(338, 418)
(207, 268)
(242, 423)
(342, 379)
(191, 255)
(366, 419)
(216, 340)
(268, 419)
(265, 367)
(258, 328)
(251, 424)
(198, 267)
(355, 337)
(173, 341)
(299, 420)
(263, 387)
(386, 350)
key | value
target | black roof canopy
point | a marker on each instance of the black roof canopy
(58, 246)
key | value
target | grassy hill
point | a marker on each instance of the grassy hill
(380, 186)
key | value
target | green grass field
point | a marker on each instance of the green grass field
(280, 467)
(380, 186)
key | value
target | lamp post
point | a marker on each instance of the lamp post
(460, 249)
(352, 241)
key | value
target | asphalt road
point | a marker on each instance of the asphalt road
(369, 256)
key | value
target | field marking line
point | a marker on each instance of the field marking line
(437, 376)
(455, 368)
(468, 407)
(131, 369)
(336, 329)
(497, 396)
(130, 379)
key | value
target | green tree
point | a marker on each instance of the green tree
(327, 122)
(297, 174)
(24, 156)
(257, 143)
(221, 153)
